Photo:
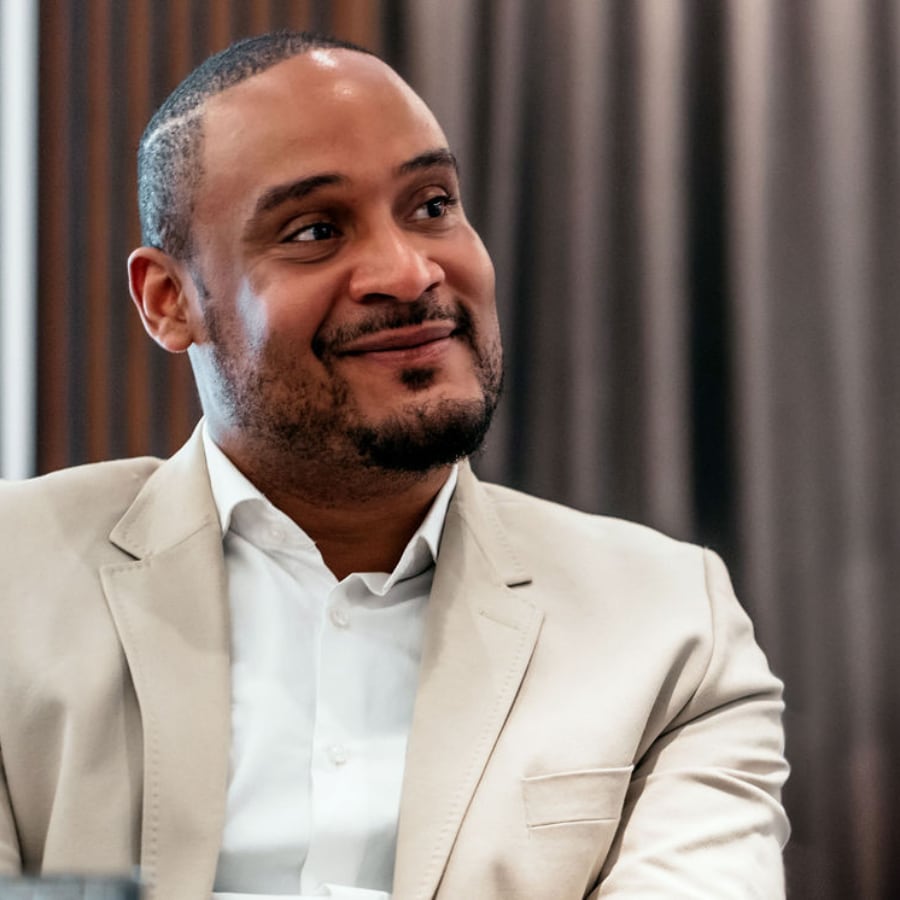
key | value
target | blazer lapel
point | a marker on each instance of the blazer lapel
(479, 638)
(170, 609)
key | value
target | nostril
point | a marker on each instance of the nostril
(400, 273)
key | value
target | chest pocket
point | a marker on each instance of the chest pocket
(587, 795)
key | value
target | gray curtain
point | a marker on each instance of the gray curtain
(693, 206)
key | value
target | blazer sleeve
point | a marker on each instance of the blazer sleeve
(10, 861)
(702, 815)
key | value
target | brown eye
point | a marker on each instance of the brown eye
(435, 207)
(317, 231)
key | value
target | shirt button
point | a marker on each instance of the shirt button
(337, 753)
(340, 618)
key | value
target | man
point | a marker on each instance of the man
(311, 655)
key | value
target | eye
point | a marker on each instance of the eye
(315, 231)
(435, 207)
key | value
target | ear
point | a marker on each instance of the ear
(159, 286)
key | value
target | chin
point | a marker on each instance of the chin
(428, 436)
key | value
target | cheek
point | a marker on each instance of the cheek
(252, 315)
(279, 311)
(478, 291)
(472, 274)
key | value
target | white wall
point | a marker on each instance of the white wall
(18, 205)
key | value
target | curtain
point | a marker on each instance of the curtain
(693, 208)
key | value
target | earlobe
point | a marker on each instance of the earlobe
(156, 282)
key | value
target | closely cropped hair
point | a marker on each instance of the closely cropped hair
(169, 153)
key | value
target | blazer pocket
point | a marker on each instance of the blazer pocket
(588, 795)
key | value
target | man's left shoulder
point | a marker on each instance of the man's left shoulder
(578, 538)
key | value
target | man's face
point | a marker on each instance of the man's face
(347, 306)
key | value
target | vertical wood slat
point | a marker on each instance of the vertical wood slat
(104, 389)
(76, 239)
(259, 16)
(181, 395)
(297, 16)
(137, 368)
(98, 288)
(219, 28)
(357, 21)
(53, 229)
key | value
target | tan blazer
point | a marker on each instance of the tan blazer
(592, 708)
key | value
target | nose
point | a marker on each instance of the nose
(392, 264)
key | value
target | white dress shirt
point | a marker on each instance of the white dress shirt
(324, 677)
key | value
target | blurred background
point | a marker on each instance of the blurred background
(693, 207)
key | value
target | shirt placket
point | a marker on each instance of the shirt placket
(336, 849)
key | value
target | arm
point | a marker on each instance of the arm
(702, 817)
(10, 862)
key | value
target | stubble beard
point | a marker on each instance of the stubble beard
(432, 433)
(283, 413)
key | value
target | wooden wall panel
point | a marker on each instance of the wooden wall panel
(54, 365)
(99, 291)
(132, 368)
(105, 389)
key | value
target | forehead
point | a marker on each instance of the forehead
(335, 111)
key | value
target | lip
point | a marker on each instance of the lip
(406, 340)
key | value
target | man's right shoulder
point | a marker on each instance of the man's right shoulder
(89, 496)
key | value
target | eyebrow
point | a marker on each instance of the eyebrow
(297, 190)
(441, 157)
(294, 190)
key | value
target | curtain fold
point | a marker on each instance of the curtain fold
(693, 208)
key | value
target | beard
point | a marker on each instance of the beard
(439, 434)
(281, 407)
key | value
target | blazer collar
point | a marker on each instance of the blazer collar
(479, 636)
(175, 502)
(170, 607)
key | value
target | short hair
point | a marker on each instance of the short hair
(170, 149)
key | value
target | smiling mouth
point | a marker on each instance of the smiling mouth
(402, 340)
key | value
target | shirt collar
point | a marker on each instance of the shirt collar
(231, 489)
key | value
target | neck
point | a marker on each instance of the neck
(363, 535)
(361, 518)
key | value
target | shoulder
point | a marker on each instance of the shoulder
(647, 604)
(83, 499)
(583, 570)
(550, 531)
(62, 485)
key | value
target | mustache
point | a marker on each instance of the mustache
(425, 309)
